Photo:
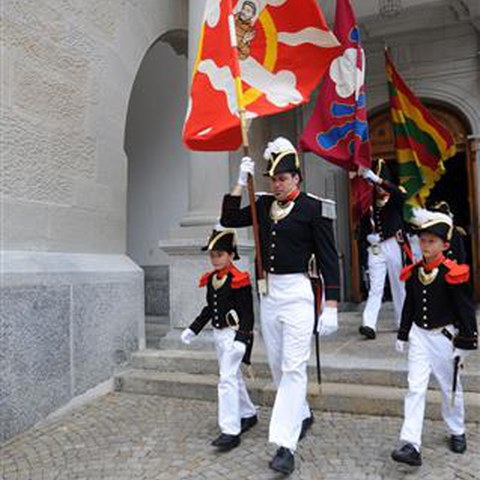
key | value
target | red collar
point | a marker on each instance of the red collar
(293, 195)
(224, 271)
(433, 264)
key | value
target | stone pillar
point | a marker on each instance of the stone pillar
(208, 182)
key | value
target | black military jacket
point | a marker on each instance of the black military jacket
(389, 218)
(232, 300)
(288, 244)
(446, 301)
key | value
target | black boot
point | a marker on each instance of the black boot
(367, 332)
(458, 443)
(247, 423)
(306, 424)
(225, 442)
(283, 461)
(407, 454)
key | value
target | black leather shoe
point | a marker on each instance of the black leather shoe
(283, 461)
(225, 442)
(247, 423)
(367, 332)
(306, 424)
(407, 454)
(458, 443)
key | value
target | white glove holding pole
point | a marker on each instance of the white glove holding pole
(373, 239)
(328, 321)
(462, 354)
(187, 336)
(400, 346)
(247, 167)
(369, 175)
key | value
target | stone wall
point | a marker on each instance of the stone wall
(71, 301)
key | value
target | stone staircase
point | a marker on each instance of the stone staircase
(358, 376)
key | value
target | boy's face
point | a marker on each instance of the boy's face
(282, 184)
(432, 245)
(220, 259)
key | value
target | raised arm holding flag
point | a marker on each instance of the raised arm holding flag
(256, 58)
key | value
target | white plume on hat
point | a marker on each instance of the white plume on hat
(422, 216)
(279, 145)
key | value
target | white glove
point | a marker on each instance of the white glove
(239, 349)
(247, 166)
(400, 346)
(373, 238)
(187, 336)
(328, 321)
(462, 354)
(369, 175)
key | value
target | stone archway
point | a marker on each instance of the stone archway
(157, 193)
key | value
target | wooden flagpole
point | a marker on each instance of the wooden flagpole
(261, 281)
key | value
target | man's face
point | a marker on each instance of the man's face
(432, 246)
(246, 13)
(220, 259)
(282, 184)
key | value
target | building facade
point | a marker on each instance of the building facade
(103, 210)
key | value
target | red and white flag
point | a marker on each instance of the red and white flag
(272, 52)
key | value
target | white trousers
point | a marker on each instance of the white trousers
(388, 260)
(430, 351)
(287, 315)
(233, 400)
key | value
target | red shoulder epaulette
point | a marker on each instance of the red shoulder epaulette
(239, 279)
(205, 278)
(407, 271)
(457, 273)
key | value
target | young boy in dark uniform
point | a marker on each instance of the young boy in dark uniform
(230, 308)
(438, 321)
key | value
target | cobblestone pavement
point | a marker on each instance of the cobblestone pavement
(123, 436)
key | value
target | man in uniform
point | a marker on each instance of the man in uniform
(293, 227)
(385, 230)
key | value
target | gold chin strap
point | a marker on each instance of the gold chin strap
(426, 278)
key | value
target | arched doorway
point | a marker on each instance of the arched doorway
(157, 196)
(457, 186)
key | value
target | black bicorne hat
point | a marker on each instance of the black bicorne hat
(441, 206)
(282, 157)
(223, 240)
(440, 225)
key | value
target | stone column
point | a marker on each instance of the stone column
(208, 182)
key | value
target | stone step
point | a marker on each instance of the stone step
(335, 369)
(338, 397)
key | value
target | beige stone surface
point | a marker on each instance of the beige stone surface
(68, 67)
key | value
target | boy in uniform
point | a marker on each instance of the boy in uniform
(439, 323)
(230, 308)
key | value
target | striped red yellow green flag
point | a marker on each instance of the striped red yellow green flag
(422, 144)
